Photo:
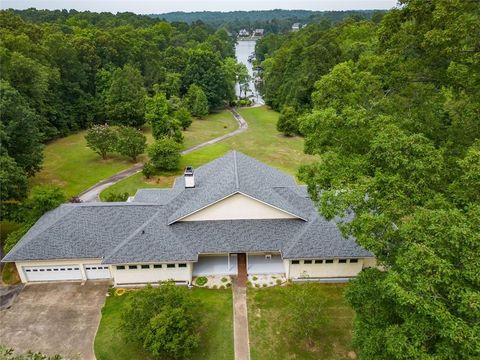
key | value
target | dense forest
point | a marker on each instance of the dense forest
(272, 21)
(64, 71)
(393, 112)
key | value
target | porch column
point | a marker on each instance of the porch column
(246, 256)
(228, 261)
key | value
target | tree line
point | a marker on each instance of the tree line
(392, 110)
(63, 71)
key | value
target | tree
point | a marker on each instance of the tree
(305, 307)
(42, 199)
(287, 121)
(148, 169)
(113, 196)
(183, 116)
(163, 125)
(163, 320)
(21, 138)
(13, 181)
(197, 101)
(125, 97)
(165, 154)
(101, 139)
(243, 79)
(130, 142)
(204, 69)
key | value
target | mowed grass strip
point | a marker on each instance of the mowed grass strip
(269, 325)
(72, 166)
(261, 141)
(216, 337)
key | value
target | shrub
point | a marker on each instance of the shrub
(130, 142)
(148, 169)
(224, 279)
(257, 285)
(278, 282)
(163, 320)
(165, 154)
(249, 283)
(287, 122)
(112, 196)
(264, 285)
(254, 278)
(214, 287)
(201, 281)
(101, 139)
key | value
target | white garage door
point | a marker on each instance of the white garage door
(52, 273)
(97, 272)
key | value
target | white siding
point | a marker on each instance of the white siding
(151, 275)
(236, 207)
(335, 270)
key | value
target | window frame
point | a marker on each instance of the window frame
(120, 267)
(328, 261)
(295, 262)
(307, 262)
(144, 266)
(132, 267)
(171, 266)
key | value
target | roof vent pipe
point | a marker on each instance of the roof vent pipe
(189, 177)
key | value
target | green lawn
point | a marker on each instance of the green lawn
(261, 141)
(70, 165)
(268, 326)
(216, 330)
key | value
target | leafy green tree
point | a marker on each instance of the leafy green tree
(21, 138)
(42, 199)
(125, 97)
(197, 101)
(13, 185)
(148, 169)
(130, 142)
(163, 320)
(163, 124)
(113, 196)
(165, 154)
(183, 116)
(287, 121)
(102, 139)
(204, 69)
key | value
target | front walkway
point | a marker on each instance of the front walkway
(240, 321)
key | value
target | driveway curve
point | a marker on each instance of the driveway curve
(92, 194)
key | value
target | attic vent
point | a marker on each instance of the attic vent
(189, 177)
(268, 257)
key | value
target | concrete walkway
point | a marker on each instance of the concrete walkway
(240, 321)
(92, 194)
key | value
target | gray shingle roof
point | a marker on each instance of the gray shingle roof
(147, 230)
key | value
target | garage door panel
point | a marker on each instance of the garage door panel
(52, 273)
(96, 271)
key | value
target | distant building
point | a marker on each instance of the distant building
(258, 32)
(243, 33)
(296, 27)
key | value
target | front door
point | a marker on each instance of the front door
(242, 266)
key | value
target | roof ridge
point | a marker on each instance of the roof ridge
(122, 243)
(295, 240)
(237, 184)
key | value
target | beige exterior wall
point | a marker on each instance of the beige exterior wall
(151, 275)
(369, 262)
(81, 262)
(236, 207)
(323, 270)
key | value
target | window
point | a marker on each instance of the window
(342, 261)
(318, 261)
(42, 269)
(170, 266)
(120, 267)
(295, 262)
(353, 260)
(157, 266)
(49, 269)
(35, 270)
(55, 269)
(307, 262)
(132, 267)
(329, 261)
(69, 269)
(145, 266)
(182, 265)
(28, 270)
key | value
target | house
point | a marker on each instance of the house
(243, 33)
(258, 32)
(296, 27)
(234, 215)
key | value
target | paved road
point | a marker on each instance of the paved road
(55, 318)
(93, 194)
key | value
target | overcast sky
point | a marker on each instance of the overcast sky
(163, 6)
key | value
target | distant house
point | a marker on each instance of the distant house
(243, 33)
(232, 216)
(258, 32)
(296, 27)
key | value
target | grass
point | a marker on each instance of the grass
(216, 330)
(70, 165)
(268, 325)
(261, 141)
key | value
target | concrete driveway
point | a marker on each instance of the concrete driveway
(54, 318)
